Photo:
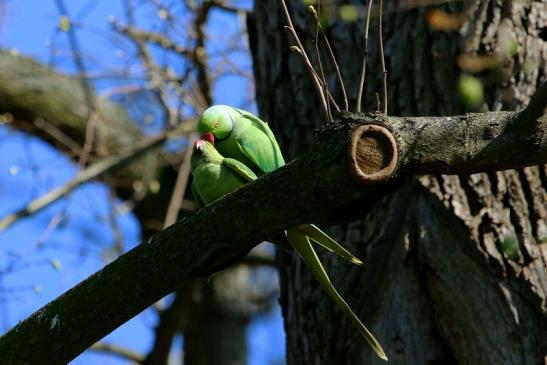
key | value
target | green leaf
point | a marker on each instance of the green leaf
(64, 23)
(471, 90)
(56, 264)
(510, 248)
(154, 186)
(348, 13)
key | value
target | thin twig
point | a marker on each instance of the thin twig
(336, 67)
(114, 225)
(154, 73)
(364, 66)
(122, 352)
(382, 57)
(90, 99)
(77, 54)
(332, 57)
(200, 52)
(90, 129)
(323, 78)
(378, 104)
(58, 135)
(129, 11)
(331, 98)
(229, 8)
(157, 39)
(303, 53)
(180, 186)
(88, 174)
(316, 77)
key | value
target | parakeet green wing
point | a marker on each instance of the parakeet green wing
(258, 143)
(240, 169)
(266, 129)
(303, 246)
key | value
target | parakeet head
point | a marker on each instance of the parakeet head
(216, 123)
(204, 152)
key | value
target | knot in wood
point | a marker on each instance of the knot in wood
(372, 154)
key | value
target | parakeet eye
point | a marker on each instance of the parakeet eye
(217, 123)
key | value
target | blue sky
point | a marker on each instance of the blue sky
(45, 255)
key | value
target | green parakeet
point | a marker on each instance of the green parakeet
(242, 136)
(215, 176)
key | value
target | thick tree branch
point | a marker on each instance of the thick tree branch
(31, 92)
(67, 326)
(52, 106)
(470, 143)
(466, 144)
(224, 231)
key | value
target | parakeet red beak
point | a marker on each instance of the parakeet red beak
(209, 137)
(198, 145)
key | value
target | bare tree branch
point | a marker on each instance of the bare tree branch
(331, 54)
(230, 8)
(224, 231)
(180, 186)
(158, 39)
(364, 65)
(169, 324)
(44, 102)
(77, 55)
(382, 56)
(302, 51)
(473, 143)
(200, 52)
(92, 172)
(123, 353)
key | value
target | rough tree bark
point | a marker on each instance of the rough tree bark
(455, 266)
(211, 239)
(410, 263)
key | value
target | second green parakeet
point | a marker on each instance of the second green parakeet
(215, 176)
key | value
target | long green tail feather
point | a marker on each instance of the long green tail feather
(303, 245)
(317, 235)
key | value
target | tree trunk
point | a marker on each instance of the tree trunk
(455, 266)
(215, 333)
